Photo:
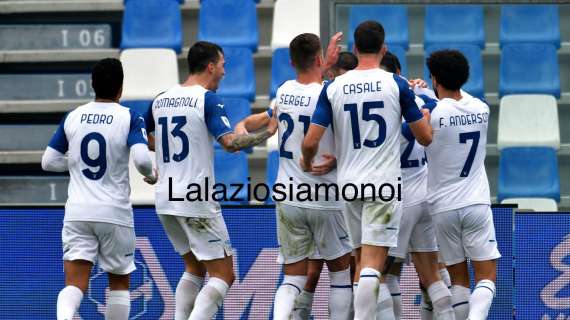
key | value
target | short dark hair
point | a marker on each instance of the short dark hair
(107, 78)
(303, 50)
(449, 67)
(201, 54)
(369, 37)
(390, 62)
(346, 61)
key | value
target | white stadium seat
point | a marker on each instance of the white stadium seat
(528, 120)
(141, 192)
(293, 17)
(534, 204)
(148, 72)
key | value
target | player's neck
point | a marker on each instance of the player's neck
(105, 100)
(367, 62)
(310, 76)
(455, 95)
(202, 80)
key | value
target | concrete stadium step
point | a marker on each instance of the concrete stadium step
(54, 36)
(33, 189)
(25, 137)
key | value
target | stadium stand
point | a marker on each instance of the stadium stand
(306, 20)
(281, 70)
(229, 23)
(541, 24)
(237, 173)
(271, 170)
(534, 204)
(467, 21)
(394, 18)
(521, 72)
(54, 36)
(166, 30)
(239, 81)
(400, 52)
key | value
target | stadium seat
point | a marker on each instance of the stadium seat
(534, 204)
(148, 72)
(139, 106)
(152, 24)
(474, 85)
(531, 23)
(281, 70)
(400, 52)
(229, 23)
(529, 68)
(237, 172)
(528, 172)
(466, 20)
(289, 21)
(394, 19)
(239, 81)
(528, 120)
(271, 171)
(141, 192)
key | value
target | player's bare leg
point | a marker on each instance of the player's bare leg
(119, 300)
(482, 297)
(189, 285)
(340, 298)
(372, 259)
(76, 283)
(460, 292)
(293, 282)
(222, 276)
(428, 271)
(391, 278)
(304, 302)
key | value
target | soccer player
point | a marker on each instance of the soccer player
(416, 235)
(188, 119)
(365, 106)
(458, 189)
(346, 62)
(93, 142)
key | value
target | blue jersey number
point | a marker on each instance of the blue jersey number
(352, 108)
(176, 132)
(100, 161)
(405, 161)
(305, 120)
(463, 137)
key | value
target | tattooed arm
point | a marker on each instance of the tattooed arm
(233, 142)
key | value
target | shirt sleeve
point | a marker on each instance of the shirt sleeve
(149, 118)
(215, 115)
(137, 131)
(408, 104)
(323, 111)
(59, 139)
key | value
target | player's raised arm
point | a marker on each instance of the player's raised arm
(416, 119)
(322, 118)
(54, 158)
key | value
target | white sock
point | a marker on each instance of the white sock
(445, 277)
(385, 307)
(366, 295)
(426, 306)
(286, 295)
(441, 300)
(209, 299)
(303, 305)
(460, 300)
(394, 287)
(186, 292)
(340, 297)
(68, 302)
(118, 305)
(481, 300)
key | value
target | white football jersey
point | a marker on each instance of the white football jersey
(296, 103)
(456, 176)
(185, 122)
(97, 138)
(365, 109)
(413, 163)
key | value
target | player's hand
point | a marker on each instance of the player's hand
(240, 128)
(426, 114)
(307, 167)
(325, 167)
(420, 83)
(333, 50)
(152, 179)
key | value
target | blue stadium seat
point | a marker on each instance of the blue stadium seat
(474, 85)
(237, 172)
(152, 24)
(139, 106)
(394, 19)
(529, 68)
(530, 24)
(400, 52)
(528, 172)
(459, 24)
(271, 171)
(239, 81)
(229, 23)
(281, 70)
